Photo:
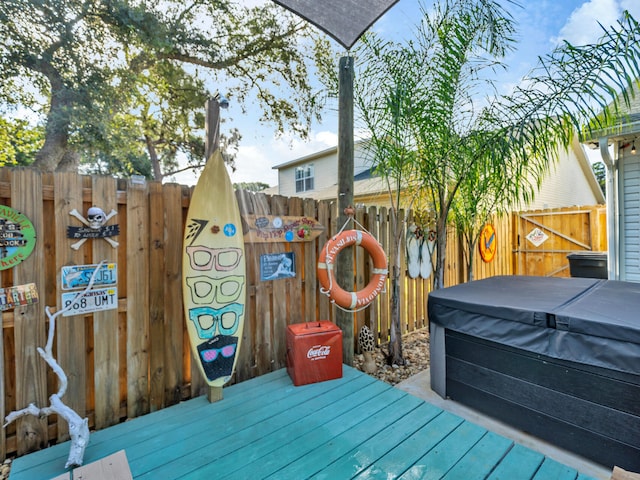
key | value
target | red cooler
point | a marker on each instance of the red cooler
(314, 352)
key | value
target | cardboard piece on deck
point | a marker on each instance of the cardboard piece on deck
(620, 474)
(113, 467)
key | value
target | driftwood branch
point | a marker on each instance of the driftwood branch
(78, 427)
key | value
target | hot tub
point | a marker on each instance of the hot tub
(556, 357)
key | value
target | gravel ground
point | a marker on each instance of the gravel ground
(5, 468)
(415, 349)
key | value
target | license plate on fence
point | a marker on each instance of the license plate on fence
(78, 276)
(93, 301)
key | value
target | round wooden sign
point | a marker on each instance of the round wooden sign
(17, 237)
(488, 242)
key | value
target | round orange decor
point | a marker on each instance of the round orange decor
(326, 272)
(488, 242)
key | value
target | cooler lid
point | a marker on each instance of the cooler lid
(312, 328)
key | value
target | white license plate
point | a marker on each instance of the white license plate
(78, 276)
(95, 300)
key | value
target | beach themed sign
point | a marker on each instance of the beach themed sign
(17, 237)
(280, 228)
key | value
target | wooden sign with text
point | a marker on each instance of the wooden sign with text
(280, 228)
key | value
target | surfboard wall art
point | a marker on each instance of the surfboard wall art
(214, 273)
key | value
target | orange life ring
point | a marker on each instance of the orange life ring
(326, 273)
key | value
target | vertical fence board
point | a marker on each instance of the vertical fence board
(373, 312)
(308, 273)
(137, 301)
(360, 273)
(106, 323)
(298, 314)
(280, 288)
(29, 321)
(246, 365)
(70, 331)
(263, 330)
(156, 297)
(324, 217)
(172, 288)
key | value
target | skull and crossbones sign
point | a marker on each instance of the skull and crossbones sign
(96, 219)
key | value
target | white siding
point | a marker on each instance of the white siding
(630, 217)
(325, 171)
(567, 184)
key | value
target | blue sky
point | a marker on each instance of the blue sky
(541, 25)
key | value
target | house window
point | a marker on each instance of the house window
(304, 178)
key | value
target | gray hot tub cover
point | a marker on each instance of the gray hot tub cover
(588, 321)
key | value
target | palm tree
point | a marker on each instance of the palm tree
(435, 137)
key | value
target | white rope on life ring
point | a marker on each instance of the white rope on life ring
(326, 272)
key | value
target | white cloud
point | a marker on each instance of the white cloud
(633, 6)
(583, 27)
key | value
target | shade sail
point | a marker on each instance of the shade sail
(344, 20)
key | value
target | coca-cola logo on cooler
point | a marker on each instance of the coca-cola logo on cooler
(318, 352)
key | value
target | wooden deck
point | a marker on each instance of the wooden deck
(354, 427)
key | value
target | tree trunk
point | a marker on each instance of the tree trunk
(155, 162)
(70, 161)
(395, 334)
(53, 150)
(56, 141)
(441, 249)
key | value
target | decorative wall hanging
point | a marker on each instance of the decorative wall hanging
(95, 227)
(18, 296)
(214, 274)
(488, 243)
(17, 237)
(103, 275)
(274, 266)
(274, 228)
(78, 276)
(537, 237)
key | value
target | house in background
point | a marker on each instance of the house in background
(618, 148)
(316, 176)
(570, 182)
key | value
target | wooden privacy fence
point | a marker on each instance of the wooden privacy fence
(128, 361)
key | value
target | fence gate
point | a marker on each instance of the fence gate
(543, 239)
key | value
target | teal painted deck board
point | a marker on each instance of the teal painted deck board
(520, 462)
(352, 427)
(351, 439)
(212, 448)
(385, 407)
(552, 470)
(357, 460)
(478, 462)
(170, 417)
(449, 451)
(312, 414)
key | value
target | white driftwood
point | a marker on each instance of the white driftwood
(78, 427)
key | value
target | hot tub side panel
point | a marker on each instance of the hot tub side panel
(589, 410)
